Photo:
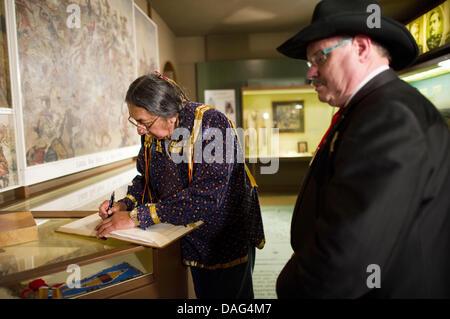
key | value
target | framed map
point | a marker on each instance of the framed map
(75, 61)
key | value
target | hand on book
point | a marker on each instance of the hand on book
(119, 220)
(104, 211)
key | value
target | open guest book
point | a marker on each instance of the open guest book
(158, 236)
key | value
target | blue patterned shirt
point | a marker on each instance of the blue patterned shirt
(220, 195)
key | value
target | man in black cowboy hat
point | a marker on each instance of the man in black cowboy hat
(373, 215)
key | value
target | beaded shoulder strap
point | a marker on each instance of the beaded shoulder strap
(199, 112)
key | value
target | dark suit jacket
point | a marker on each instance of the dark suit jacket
(377, 193)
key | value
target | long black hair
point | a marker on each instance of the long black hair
(157, 94)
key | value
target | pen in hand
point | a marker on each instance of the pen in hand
(111, 203)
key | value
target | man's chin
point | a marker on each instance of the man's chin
(323, 97)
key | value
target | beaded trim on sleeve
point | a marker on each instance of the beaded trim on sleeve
(131, 197)
(153, 214)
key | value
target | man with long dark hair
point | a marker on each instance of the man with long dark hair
(219, 192)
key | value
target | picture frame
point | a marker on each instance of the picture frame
(222, 100)
(302, 147)
(66, 113)
(288, 116)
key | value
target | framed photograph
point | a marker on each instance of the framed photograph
(302, 147)
(416, 28)
(435, 28)
(288, 116)
(222, 100)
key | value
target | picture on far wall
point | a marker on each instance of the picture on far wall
(416, 29)
(146, 43)
(222, 100)
(432, 29)
(302, 147)
(288, 116)
(8, 158)
(74, 77)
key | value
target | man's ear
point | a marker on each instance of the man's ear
(172, 119)
(364, 46)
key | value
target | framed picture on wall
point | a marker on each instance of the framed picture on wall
(222, 100)
(70, 83)
(302, 147)
(288, 116)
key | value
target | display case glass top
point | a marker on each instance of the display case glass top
(51, 248)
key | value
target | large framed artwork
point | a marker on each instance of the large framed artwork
(9, 177)
(146, 43)
(288, 116)
(73, 80)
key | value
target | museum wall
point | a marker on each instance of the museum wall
(245, 46)
(166, 42)
(191, 50)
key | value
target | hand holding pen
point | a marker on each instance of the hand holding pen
(111, 203)
(108, 207)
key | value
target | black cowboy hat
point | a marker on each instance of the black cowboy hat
(350, 17)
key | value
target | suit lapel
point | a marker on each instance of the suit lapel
(378, 81)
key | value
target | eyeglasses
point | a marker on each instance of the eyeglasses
(137, 123)
(320, 56)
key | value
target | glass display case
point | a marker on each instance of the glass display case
(282, 127)
(157, 273)
(296, 112)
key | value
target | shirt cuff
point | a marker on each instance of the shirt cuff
(129, 201)
(147, 215)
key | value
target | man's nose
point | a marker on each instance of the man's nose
(141, 130)
(312, 72)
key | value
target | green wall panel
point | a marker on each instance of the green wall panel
(235, 74)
